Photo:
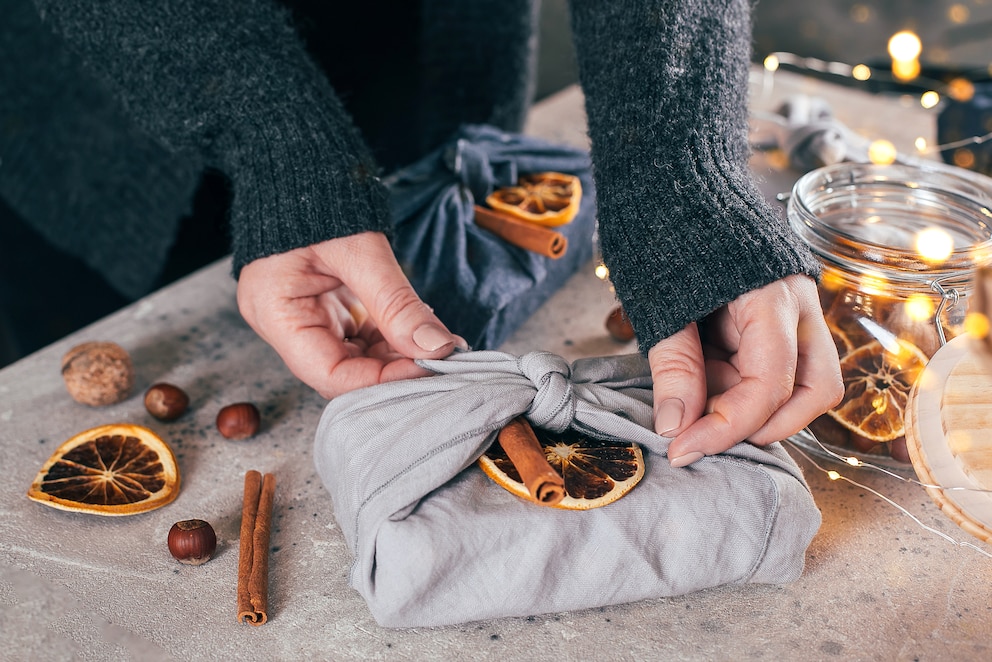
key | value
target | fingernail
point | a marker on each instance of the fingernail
(669, 416)
(430, 338)
(686, 460)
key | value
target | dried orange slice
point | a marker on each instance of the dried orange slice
(877, 382)
(595, 472)
(841, 341)
(545, 198)
(118, 469)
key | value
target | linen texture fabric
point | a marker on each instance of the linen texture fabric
(436, 542)
(479, 285)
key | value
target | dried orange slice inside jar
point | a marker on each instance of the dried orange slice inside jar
(545, 198)
(117, 469)
(899, 246)
(596, 473)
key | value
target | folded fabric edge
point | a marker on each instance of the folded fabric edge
(784, 556)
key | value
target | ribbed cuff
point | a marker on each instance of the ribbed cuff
(303, 179)
(694, 240)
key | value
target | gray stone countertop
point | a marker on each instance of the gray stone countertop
(877, 585)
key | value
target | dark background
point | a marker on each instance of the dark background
(956, 36)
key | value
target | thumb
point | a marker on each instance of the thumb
(366, 264)
(679, 378)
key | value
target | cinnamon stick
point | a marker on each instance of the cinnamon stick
(546, 486)
(253, 559)
(520, 233)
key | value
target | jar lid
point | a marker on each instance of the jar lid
(907, 223)
(947, 419)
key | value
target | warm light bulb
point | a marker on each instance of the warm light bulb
(882, 152)
(861, 72)
(919, 307)
(905, 69)
(771, 63)
(905, 46)
(921, 144)
(961, 89)
(976, 325)
(853, 461)
(602, 272)
(934, 244)
(833, 475)
(929, 99)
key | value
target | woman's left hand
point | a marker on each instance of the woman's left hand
(760, 368)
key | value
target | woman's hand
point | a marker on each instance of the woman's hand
(760, 368)
(341, 314)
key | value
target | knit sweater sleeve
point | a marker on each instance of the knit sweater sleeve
(683, 228)
(231, 83)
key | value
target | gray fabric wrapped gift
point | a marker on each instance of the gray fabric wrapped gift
(436, 542)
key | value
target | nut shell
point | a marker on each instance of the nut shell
(166, 402)
(98, 373)
(619, 326)
(192, 541)
(240, 420)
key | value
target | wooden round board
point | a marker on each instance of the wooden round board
(949, 434)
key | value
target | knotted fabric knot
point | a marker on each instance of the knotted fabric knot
(478, 169)
(553, 407)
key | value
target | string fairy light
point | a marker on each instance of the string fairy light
(904, 48)
(880, 151)
(856, 462)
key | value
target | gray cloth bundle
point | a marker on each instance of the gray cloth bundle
(437, 542)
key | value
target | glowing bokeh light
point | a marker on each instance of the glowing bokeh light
(976, 325)
(905, 45)
(906, 69)
(861, 72)
(602, 272)
(929, 99)
(963, 158)
(771, 63)
(921, 144)
(882, 152)
(872, 284)
(860, 13)
(934, 244)
(919, 307)
(958, 13)
(961, 89)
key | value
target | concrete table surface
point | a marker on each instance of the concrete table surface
(877, 585)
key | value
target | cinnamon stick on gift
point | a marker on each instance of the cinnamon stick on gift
(520, 233)
(520, 444)
(253, 559)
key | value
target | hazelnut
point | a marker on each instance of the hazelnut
(238, 421)
(192, 541)
(166, 402)
(98, 373)
(619, 326)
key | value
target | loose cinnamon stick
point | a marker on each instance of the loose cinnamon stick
(528, 236)
(253, 559)
(520, 444)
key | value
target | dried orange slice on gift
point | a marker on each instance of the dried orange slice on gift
(877, 382)
(117, 469)
(545, 198)
(596, 473)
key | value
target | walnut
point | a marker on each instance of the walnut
(98, 373)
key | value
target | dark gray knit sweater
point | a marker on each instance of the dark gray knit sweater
(234, 86)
